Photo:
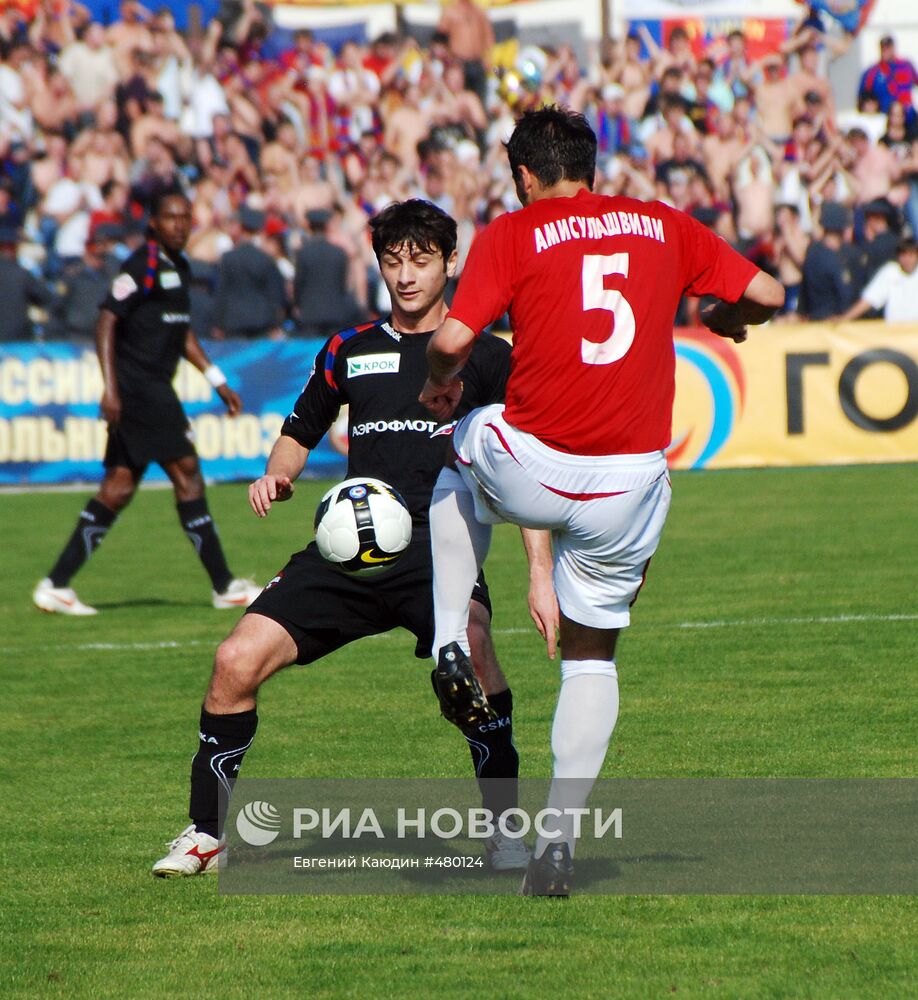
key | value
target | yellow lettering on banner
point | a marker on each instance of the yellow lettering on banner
(5, 440)
(86, 438)
(190, 384)
(242, 436)
(271, 424)
(24, 445)
(208, 439)
(40, 382)
(90, 378)
(53, 441)
(12, 382)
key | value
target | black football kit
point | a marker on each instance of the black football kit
(379, 373)
(151, 299)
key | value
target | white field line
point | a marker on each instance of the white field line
(165, 646)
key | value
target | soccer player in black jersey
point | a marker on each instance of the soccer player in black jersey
(311, 607)
(141, 335)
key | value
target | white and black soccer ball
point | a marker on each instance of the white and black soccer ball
(362, 526)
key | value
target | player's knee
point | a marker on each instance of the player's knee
(189, 488)
(116, 495)
(237, 669)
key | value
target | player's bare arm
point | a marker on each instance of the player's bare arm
(194, 352)
(110, 404)
(543, 603)
(762, 299)
(447, 353)
(285, 463)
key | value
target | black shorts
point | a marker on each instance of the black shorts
(324, 608)
(153, 428)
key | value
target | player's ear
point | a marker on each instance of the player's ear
(451, 263)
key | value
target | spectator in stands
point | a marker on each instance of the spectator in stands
(790, 247)
(85, 287)
(322, 300)
(470, 38)
(828, 283)
(89, 66)
(881, 238)
(775, 98)
(893, 289)
(890, 80)
(19, 289)
(250, 299)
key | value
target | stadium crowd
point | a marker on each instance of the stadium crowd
(287, 148)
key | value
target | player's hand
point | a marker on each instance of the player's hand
(110, 406)
(267, 490)
(718, 318)
(440, 399)
(231, 399)
(543, 609)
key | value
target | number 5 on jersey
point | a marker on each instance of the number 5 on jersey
(597, 296)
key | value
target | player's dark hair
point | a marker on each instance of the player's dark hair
(417, 223)
(554, 144)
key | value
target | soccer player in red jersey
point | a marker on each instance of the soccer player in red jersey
(592, 284)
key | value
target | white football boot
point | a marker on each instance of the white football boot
(191, 853)
(506, 854)
(59, 600)
(239, 594)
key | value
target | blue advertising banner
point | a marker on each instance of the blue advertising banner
(50, 431)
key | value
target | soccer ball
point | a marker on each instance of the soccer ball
(362, 526)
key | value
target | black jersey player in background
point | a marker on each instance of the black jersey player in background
(141, 334)
(311, 607)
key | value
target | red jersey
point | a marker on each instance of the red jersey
(592, 283)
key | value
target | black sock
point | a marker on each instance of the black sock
(92, 527)
(224, 740)
(494, 757)
(202, 533)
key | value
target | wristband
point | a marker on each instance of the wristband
(213, 375)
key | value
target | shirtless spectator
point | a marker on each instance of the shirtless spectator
(312, 192)
(470, 39)
(633, 75)
(775, 97)
(660, 145)
(89, 65)
(791, 244)
(54, 105)
(754, 193)
(678, 52)
(873, 165)
(280, 159)
(50, 164)
(153, 122)
(406, 126)
(101, 153)
(808, 80)
(129, 35)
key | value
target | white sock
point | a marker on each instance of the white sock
(459, 544)
(584, 719)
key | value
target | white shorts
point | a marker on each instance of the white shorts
(606, 513)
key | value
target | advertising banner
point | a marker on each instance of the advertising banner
(796, 395)
(812, 394)
(50, 431)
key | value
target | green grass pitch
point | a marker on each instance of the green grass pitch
(803, 583)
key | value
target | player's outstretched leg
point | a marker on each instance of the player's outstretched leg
(257, 648)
